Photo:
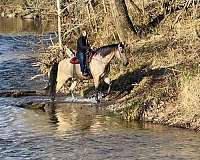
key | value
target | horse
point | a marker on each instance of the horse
(99, 67)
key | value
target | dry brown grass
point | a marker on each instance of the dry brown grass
(171, 98)
(48, 57)
(189, 101)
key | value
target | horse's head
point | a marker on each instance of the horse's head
(120, 54)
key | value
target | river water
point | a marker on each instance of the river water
(72, 131)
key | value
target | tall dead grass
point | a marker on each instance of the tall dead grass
(189, 101)
(174, 97)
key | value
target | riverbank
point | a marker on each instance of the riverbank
(161, 83)
(24, 10)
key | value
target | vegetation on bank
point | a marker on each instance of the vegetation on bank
(28, 9)
(161, 83)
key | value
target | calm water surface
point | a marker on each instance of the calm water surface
(73, 131)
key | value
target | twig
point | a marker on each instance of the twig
(37, 76)
(177, 17)
(172, 69)
(94, 17)
(88, 12)
(104, 6)
(84, 22)
(136, 7)
(69, 5)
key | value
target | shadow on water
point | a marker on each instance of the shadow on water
(97, 133)
(75, 118)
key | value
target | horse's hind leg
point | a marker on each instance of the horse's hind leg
(71, 88)
(60, 83)
(52, 81)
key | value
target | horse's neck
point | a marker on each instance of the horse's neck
(108, 58)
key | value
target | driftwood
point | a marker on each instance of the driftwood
(19, 93)
(32, 105)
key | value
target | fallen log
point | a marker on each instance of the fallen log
(32, 105)
(20, 93)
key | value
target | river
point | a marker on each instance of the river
(72, 131)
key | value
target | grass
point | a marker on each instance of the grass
(161, 84)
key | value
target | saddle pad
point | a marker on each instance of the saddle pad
(74, 60)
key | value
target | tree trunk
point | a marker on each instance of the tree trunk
(59, 24)
(19, 93)
(123, 24)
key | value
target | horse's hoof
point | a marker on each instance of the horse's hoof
(52, 99)
(105, 95)
(98, 101)
(46, 88)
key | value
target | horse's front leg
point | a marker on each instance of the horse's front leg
(96, 95)
(96, 85)
(107, 80)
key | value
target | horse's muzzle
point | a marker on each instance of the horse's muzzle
(126, 63)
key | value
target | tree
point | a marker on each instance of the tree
(59, 24)
(123, 24)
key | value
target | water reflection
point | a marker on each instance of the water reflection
(64, 119)
(93, 133)
(17, 25)
(74, 118)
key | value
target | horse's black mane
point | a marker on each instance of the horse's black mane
(105, 50)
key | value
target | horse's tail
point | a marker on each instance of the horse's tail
(52, 81)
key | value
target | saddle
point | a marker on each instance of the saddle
(75, 60)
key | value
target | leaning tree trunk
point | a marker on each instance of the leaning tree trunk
(123, 24)
(59, 24)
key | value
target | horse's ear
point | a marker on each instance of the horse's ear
(122, 44)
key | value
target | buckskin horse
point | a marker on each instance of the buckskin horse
(99, 67)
